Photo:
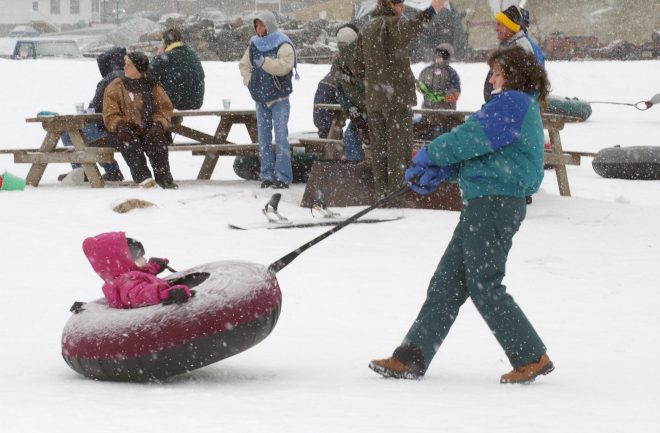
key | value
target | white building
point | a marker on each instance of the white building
(54, 12)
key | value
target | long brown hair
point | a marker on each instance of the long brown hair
(522, 72)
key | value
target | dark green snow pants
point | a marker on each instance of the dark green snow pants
(473, 265)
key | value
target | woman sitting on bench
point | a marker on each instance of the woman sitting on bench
(138, 111)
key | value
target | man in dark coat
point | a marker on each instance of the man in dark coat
(382, 62)
(326, 93)
(178, 69)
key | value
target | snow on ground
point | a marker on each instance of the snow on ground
(584, 269)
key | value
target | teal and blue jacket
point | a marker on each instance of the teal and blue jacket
(498, 150)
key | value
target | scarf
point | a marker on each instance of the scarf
(173, 46)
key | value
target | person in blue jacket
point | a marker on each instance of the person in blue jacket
(267, 67)
(511, 29)
(497, 158)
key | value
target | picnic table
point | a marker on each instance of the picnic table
(556, 156)
(210, 145)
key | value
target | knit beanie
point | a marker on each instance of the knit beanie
(446, 51)
(346, 35)
(140, 60)
(511, 18)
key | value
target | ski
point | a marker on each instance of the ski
(311, 222)
(322, 216)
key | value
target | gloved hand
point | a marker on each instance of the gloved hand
(429, 179)
(156, 129)
(422, 176)
(156, 134)
(125, 133)
(451, 98)
(175, 295)
(259, 61)
(354, 113)
(160, 263)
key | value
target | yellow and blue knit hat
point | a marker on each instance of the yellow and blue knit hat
(511, 18)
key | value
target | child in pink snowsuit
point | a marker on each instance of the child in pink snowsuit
(130, 280)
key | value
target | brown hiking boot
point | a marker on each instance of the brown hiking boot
(392, 367)
(527, 373)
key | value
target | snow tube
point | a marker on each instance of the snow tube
(635, 162)
(236, 306)
(247, 166)
(566, 106)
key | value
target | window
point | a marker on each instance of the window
(55, 7)
(35, 6)
(74, 7)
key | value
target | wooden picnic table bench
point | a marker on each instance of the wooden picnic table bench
(556, 157)
(211, 146)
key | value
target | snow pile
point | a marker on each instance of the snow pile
(129, 32)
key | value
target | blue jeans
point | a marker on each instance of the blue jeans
(275, 166)
(352, 144)
(92, 131)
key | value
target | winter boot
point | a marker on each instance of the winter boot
(527, 373)
(280, 184)
(113, 176)
(167, 184)
(407, 362)
(392, 367)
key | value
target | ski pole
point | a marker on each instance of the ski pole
(284, 261)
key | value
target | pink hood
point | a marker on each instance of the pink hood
(109, 255)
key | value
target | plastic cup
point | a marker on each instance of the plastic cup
(12, 182)
(80, 107)
(226, 103)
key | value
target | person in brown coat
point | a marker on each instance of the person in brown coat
(138, 111)
(383, 63)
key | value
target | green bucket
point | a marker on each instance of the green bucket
(12, 182)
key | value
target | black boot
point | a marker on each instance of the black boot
(168, 184)
(165, 181)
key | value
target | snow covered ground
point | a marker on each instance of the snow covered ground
(584, 269)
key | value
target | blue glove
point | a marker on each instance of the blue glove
(422, 176)
(259, 61)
